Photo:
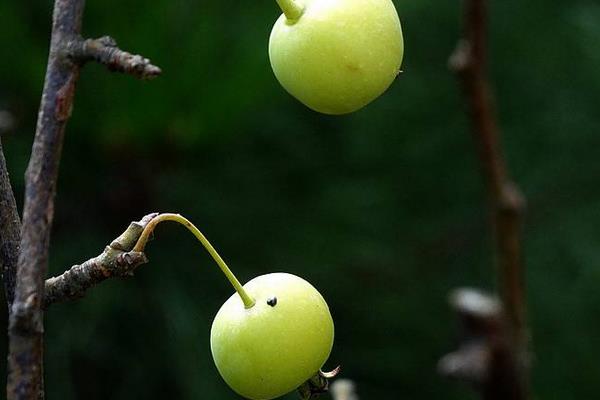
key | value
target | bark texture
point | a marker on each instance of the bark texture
(26, 328)
(117, 260)
(10, 232)
(105, 51)
(68, 52)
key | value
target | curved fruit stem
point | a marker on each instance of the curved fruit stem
(291, 9)
(141, 244)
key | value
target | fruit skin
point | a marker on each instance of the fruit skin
(339, 55)
(266, 351)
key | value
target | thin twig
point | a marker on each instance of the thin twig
(104, 50)
(10, 232)
(117, 260)
(506, 201)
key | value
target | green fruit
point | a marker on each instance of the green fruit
(272, 347)
(336, 56)
(272, 335)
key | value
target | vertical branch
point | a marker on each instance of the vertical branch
(10, 232)
(505, 199)
(25, 359)
(68, 52)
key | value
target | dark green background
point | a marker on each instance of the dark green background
(382, 210)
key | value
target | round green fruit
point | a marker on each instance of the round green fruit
(336, 56)
(272, 347)
(272, 335)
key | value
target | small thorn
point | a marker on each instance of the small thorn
(331, 374)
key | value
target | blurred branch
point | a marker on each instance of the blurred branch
(506, 201)
(67, 54)
(117, 260)
(10, 231)
(485, 357)
(105, 51)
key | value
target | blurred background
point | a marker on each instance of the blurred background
(382, 210)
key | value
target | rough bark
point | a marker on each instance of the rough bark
(10, 232)
(104, 50)
(117, 260)
(25, 360)
(68, 52)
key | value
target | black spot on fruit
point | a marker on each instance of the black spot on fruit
(272, 301)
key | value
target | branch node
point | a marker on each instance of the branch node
(484, 357)
(117, 260)
(511, 199)
(128, 262)
(461, 58)
(107, 41)
(23, 317)
(146, 219)
(472, 303)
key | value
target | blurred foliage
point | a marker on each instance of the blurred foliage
(382, 210)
